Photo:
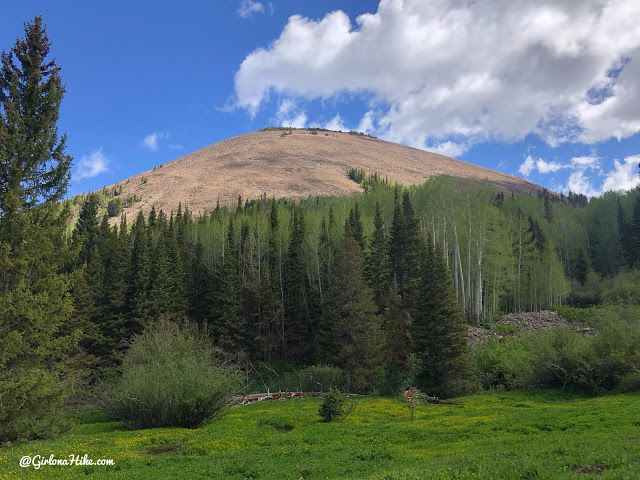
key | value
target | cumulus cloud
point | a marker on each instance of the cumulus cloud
(624, 175)
(589, 161)
(250, 7)
(448, 148)
(530, 164)
(288, 115)
(92, 165)
(580, 183)
(151, 141)
(336, 124)
(464, 72)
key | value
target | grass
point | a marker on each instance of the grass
(534, 434)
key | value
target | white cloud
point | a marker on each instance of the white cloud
(579, 183)
(548, 167)
(336, 124)
(465, 72)
(588, 161)
(527, 166)
(250, 7)
(176, 146)
(624, 176)
(288, 115)
(448, 148)
(92, 165)
(150, 142)
(530, 164)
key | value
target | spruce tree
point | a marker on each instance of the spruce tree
(85, 234)
(297, 330)
(35, 307)
(439, 331)
(357, 329)
(378, 266)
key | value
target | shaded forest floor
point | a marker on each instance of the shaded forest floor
(527, 434)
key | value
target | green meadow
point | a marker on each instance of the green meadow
(526, 434)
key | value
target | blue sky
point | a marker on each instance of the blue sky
(545, 90)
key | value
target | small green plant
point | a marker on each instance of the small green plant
(114, 207)
(507, 329)
(332, 408)
(171, 377)
(313, 132)
(144, 179)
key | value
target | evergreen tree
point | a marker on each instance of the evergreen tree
(85, 234)
(227, 328)
(357, 329)
(297, 331)
(582, 266)
(378, 266)
(439, 331)
(548, 208)
(35, 307)
(139, 301)
(397, 342)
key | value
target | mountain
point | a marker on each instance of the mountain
(297, 165)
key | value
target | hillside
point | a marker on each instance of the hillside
(296, 166)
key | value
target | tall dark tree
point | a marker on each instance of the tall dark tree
(228, 328)
(85, 234)
(439, 331)
(297, 330)
(35, 307)
(378, 266)
(357, 329)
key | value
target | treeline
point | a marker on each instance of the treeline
(269, 277)
(273, 282)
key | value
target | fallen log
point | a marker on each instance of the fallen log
(436, 400)
(259, 397)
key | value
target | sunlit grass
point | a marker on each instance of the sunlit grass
(539, 434)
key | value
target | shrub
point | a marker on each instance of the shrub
(332, 408)
(623, 289)
(576, 315)
(114, 207)
(170, 377)
(326, 377)
(505, 363)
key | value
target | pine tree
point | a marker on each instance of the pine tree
(227, 328)
(439, 332)
(378, 266)
(85, 234)
(397, 350)
(582, 266)
(297, 328)
(357, 329)
(35, 307)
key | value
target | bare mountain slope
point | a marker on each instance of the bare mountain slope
(296, 166)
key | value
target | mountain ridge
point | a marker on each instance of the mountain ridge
(296, 164)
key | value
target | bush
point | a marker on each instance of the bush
(114, 207)
(332, 408)
(505, 363)
(576, 315)
(170, 377)
(326, 377)
(623, 289)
